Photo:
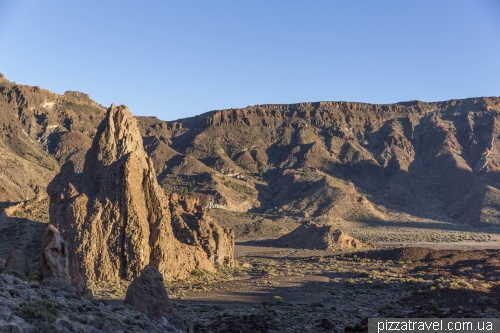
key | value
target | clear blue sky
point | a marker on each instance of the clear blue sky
(174, 59)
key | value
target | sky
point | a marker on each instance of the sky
(177, 59)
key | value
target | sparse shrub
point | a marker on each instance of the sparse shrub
(7, 270)
(317, 305)
(269, 271)
(485, 300)
(432, 304)
(34, 276)
(41, 309)
(198, 272)
(204, 308)
(387, 311)
(350, 281)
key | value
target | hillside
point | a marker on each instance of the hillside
(349, 161)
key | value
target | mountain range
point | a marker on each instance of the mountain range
(341, 160)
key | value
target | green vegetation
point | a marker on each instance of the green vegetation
(238, 188)
(79, 108)
(286, 137)
(317, 305)
(200, 272)
(41, 309)
(268, 271)
(432, 304)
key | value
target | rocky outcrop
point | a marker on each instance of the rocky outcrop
(147, 294)
(117, 219)
(30, 307)
(17, 262)
(54, 261)
(311, 236)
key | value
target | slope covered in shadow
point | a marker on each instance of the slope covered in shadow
(356, 161)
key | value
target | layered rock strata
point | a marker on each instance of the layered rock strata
(117, 219)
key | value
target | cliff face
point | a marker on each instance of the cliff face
(34, 140)
(356, 161)
(117, 219)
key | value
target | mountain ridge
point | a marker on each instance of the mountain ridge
(354, 161)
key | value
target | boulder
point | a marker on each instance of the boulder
(17, 262)
(147, 294)
(117, 219)
(54, 261)
(54, 265)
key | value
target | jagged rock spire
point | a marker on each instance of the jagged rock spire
(117, 219)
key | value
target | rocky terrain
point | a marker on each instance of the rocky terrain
(277, 290)
(308, 189)
(358, 162)
(26, 306)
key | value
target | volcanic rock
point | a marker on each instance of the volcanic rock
(17, 262)
(147, 294)
(54, 261)
(311, 236)
(117, 219)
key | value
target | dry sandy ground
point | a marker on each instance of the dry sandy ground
(313, 291)
(295, 290)
(465, 245)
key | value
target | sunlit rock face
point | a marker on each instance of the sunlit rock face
(117, 219)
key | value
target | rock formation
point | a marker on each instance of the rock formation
(117, 219)
(311, 236)
(423, 160)
(54, 261)
(17, 262)
(147, 294)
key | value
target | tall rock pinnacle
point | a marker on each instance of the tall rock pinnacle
(117, 219)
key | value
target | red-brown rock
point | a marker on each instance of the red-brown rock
(117, 219)
(54, 261)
